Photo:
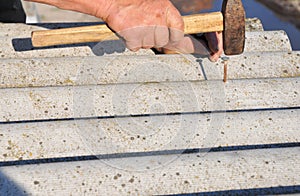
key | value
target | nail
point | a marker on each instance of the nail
(225, 61)
(225, 72)
(213, 59)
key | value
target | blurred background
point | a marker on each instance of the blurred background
(274, 14)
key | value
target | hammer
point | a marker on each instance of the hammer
(231, 21)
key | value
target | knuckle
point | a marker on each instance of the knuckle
(161, 42)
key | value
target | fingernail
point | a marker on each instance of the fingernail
(134, 49)
(212, 59)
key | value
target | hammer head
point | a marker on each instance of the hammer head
(234, 27)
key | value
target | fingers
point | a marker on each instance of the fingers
(146, 24)
(133, 38)
(168, 30)
(175, 24)
(148, 40)
(150, 37)
(212, 47)
(161, 35)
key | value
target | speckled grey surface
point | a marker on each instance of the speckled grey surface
(69, 71)
(98, 70)
(249, 123)
(147, 98)
(256, 65)
(216, 171)
(146, 134)
(267, 41)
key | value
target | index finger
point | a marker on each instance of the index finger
(176, 25)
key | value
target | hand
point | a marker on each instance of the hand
(211, 45)
(156, 24)
(144, 23)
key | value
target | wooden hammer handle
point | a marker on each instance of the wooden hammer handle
(198, 23)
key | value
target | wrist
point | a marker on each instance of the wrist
(98, 8)
(102, 8)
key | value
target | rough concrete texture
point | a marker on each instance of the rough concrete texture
(69, 71)
(73, 122)
(271, 41)
(198, 172)
(147, 99)
(123, 135)
(254, 24)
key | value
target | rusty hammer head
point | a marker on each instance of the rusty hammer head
(234, 27)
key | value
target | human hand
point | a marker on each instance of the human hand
(144, 23)
(156, 24)
(210, 45)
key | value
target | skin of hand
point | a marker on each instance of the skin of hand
(213, 48)
(157, 24)
(145, 24)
